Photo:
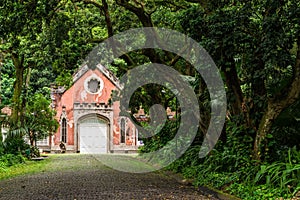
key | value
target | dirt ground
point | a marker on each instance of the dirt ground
(71, 177)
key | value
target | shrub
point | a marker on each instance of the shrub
(15, 145)
(8, 160)
(229, 167)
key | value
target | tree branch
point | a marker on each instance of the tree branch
(275, 107)
(107, 18)
(96, 40)
(203, 3)
(98, 5)
(143, 16)
(294, 93)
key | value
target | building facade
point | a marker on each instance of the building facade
(89, 121)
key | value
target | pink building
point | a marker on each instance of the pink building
(89, 121)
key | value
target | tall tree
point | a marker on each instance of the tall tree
(21, 23)
(256, 46)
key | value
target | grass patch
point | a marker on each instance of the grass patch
(28, 167)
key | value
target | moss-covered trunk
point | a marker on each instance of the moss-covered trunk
(18, 86)
(264, 128)
(276, 106)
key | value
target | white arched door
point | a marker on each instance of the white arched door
(93, 136)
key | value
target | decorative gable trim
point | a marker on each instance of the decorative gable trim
(106, 72)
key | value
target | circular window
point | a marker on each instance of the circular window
(93, 84)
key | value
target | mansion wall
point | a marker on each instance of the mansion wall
(87, 100)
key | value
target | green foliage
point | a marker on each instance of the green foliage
(259, 192)
(14, 144)
(39, 118)
(253, 44)
(122, 18)
(188, 163)
(7, 82)
(256, 39)
(160, 139)
(64, 79)
(8, 160)
(34, 152)
(25, 167)
(240, 31)
(285, 131)
(283, 174)
(71, 36)
(22, 25)
(38, 123)
(229, 167)
(40, 82)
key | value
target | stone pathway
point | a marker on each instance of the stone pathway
(70, 177)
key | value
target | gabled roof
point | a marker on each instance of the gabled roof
(106, 72)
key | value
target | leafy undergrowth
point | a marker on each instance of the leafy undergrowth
(229, 171)
(15, 165)
(229, 167)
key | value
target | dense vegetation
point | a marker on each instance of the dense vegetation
(255, 45)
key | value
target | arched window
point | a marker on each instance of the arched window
(64, 130)
(123, 130)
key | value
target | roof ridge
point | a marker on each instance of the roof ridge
(104, 70)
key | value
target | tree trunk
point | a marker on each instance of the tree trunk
(31, 138)
(18, 86)
(1, 77)
(143, 16)
(233, 84)
(145, 19)
(264, 128)
(276, 106)
(25, 94)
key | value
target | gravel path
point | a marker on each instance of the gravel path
(71, 177)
